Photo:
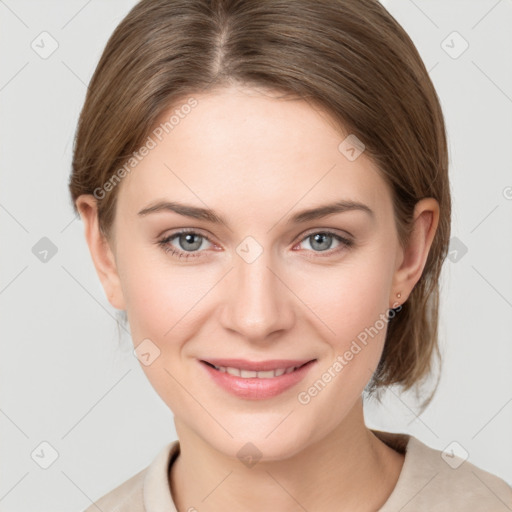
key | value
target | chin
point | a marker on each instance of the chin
(264, 440)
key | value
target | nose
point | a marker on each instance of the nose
(257, 301)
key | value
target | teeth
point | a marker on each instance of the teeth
(265, 375)
(248, 374)
(231, 371)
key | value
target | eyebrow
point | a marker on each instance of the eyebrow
(206, 214)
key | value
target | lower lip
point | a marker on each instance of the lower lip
(254, 388)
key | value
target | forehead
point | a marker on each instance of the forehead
(241, 149)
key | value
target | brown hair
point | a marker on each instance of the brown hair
(350, 57)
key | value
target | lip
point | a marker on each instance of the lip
(255, 388)
(258, 366)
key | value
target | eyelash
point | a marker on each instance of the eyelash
(164, 243)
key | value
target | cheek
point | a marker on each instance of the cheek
(158, 294)
(348, 298)
(162, 306)
(351, 302)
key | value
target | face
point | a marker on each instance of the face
(260, 285)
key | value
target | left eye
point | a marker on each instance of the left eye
(321, 241)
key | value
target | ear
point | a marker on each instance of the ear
(414, 256)
(101, 252)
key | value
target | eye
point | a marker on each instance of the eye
(189, 240)
(321, 241)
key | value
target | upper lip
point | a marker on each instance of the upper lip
(244, 364)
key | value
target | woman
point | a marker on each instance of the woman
(264, 189)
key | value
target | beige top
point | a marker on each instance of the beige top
(427, 482)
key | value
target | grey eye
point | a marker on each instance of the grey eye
(320, 241)
(187, 243)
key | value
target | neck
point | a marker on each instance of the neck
(330, 475)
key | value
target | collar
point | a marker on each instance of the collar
(157, 493)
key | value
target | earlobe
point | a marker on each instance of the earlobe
(426, 219)
(100, 250)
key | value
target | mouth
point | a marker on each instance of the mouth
(262, 370)
(252, 380)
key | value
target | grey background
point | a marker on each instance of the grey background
(64, 378)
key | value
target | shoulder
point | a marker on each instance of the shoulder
(149, 486)
(435, 480)
(126, 497)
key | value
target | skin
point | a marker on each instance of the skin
(257, 160)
